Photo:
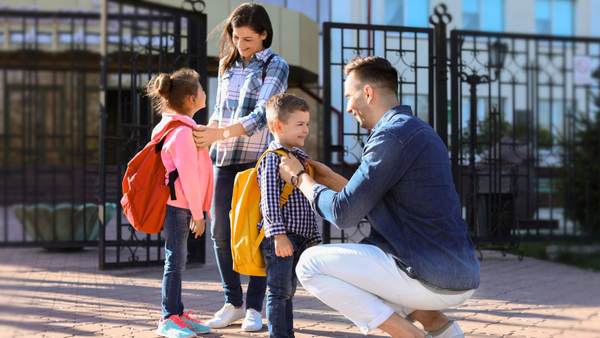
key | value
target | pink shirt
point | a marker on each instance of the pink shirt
(194, 187)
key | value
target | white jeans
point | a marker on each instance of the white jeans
(365, 284)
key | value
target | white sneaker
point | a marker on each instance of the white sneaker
(253, 321)
(450, 330)
(224, 317)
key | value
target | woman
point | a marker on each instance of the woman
(238, 135)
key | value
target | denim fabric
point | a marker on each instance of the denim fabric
(221, 236)
(176, 229)
(404, 188)
(282, 281)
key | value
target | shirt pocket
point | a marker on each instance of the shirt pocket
(226, 83)
(253, 83)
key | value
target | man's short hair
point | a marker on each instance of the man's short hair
(280, 106)
(374, 71)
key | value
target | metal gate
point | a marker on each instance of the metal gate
(49, 129)
(525, 146)
(140, 39)
(525, 131)
(409, 49)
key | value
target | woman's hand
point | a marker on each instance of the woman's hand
(205, 136)
(197, 226)
(289, 167)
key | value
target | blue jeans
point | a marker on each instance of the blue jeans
(282, 282)
(176, 229)
(221, 235)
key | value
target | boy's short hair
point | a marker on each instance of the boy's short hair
(280, 106)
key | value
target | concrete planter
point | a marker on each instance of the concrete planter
(63, 222)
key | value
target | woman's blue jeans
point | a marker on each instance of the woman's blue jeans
(176, 229)
(221, 235)
(282, 282)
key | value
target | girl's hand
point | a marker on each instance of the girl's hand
(197, 227)
(205, 136)
(283, 246)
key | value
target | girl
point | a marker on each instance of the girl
(177, 97)
(249, 74)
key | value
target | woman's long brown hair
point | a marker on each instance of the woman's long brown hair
(251, 15)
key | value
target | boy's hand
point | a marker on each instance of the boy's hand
(283, 246)
(197, 226)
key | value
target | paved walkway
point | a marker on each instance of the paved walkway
(44, 294)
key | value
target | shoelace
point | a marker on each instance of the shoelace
(187, 316)
(179, 322)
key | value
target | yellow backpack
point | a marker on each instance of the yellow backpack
(245, 216)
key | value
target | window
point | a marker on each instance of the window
(554, 17)
(487, 15)
(397, 13)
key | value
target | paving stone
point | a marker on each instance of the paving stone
(65, 295)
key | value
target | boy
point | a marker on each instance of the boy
(293, 228)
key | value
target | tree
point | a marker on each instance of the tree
(583, 172)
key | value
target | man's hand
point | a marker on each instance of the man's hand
(323, 174)
(197, 226)
(205, 136)
(283, 246)
(289, 167)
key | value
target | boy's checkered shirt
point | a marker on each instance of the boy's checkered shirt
(241, 97)
(296, 215)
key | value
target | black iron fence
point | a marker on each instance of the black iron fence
(62, 153)
(409, 49)
(524, 126)
(49, 129)
(524, 136)
(140, 40)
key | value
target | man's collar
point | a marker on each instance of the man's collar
(390, 113)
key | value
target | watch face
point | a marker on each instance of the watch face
(226, 133)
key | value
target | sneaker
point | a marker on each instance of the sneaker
(450, 330)
(227, 315)
(174, 327)
(253, 321)
(196, 325)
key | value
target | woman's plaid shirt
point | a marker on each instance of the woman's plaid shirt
(241, 97)
(296, 215)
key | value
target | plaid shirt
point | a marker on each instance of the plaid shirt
(296, 215)
(241, 97)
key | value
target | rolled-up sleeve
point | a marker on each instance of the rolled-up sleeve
(383, 163)
(276, 82)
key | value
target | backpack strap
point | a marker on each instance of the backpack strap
(264, 70)
(287, 189)
(173, 175)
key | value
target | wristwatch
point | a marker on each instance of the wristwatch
(296, 178)
(226, 133)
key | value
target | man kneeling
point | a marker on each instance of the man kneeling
(418, 258)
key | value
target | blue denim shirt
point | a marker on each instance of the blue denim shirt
(404, 188)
